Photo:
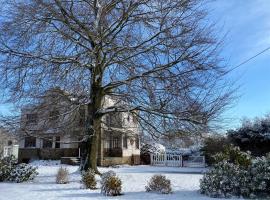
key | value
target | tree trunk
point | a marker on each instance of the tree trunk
(94, 144)
(93, 130)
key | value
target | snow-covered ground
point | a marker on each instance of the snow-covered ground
(185, 184)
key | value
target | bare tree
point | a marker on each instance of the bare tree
(161, 57)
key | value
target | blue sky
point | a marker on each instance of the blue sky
(247, 24)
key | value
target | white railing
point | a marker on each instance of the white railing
(172, 160)
(194, 161)
(164, 159)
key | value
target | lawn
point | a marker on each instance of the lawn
(185, 184)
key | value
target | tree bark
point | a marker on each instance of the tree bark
(94, 144)
(94, 127)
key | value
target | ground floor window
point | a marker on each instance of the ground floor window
(47, 142)
(113, 145)
(137, 142)
(30, 142)
(57, 142)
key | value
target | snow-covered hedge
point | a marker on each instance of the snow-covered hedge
(234, 155)
(159, 184)
(225, 180)
(23, 172)
(6, 166)
(11, 171)
(236, 176)
(260, 177)
(111, 185)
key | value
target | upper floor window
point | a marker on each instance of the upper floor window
(54, 115)
(125, 141)
(81, 117)
(31, 118)
(9, 143)
(114, 120)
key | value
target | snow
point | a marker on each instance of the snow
(185, 184)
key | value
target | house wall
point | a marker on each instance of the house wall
(128, 125)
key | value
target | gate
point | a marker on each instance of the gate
(174, 160)
(166, 159)
(194, 161)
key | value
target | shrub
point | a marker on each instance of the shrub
(111, 185)
(260, 177)
(159, 183)
(225, 180)
(236, 177)
(11, 171)
(23, 172)
(7, 164)
(62, 176)
(233, 155)
(213, 145)
(89, 180)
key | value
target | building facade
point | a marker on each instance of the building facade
(55, 128)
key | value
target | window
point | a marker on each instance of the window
(135, 119)
(47, 143)
(114, 120)
(125, 141)
(31, 118)
(81, 117)
(113, 142)
(57, 142)
(9, 143)
(112, 146)
(54, 115)
(30, 142)
(137, 142)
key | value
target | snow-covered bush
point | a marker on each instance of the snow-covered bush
(111, 185)
(233, 155)
(160, 184)
(236, 174)
(213, 145)
(62, 176)
(225, 180)
(260, 177)
(88, 179)
(7, 164)
(22, 172)
(11, 171)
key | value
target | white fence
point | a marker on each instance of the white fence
(164, 159)
(172, 160)
(194, 161)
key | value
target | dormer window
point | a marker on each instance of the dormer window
(31, 118)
